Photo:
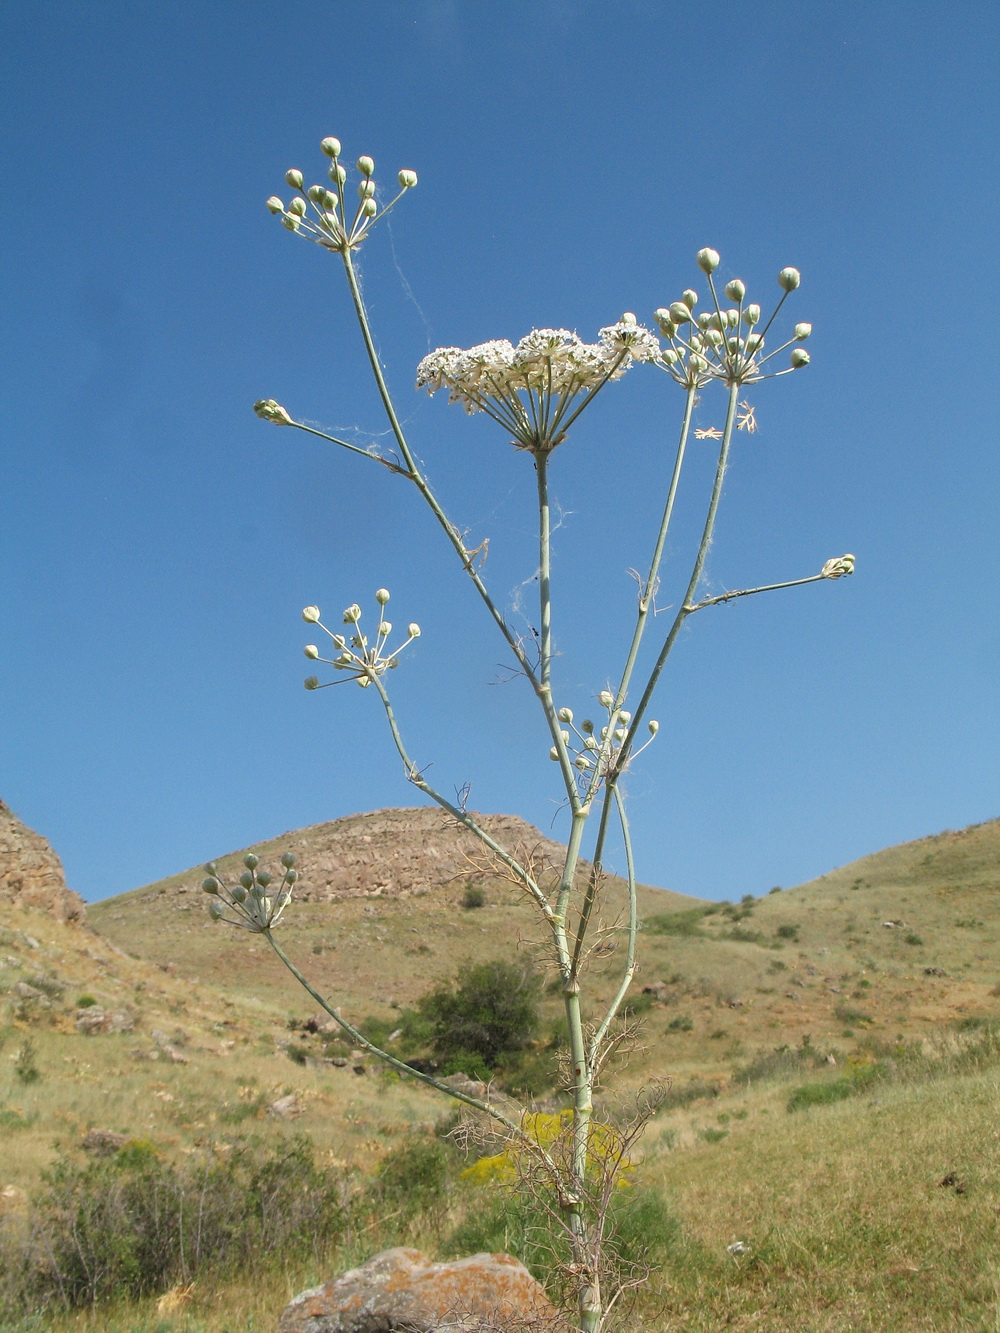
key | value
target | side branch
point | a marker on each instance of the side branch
(461, 816)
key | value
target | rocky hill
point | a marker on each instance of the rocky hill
(31, 874)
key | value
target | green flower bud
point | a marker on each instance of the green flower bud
(714, 338)
(311, 650)
(789, 279)
(275, 205)
(708, 260)
(366, 166)
(654, 727)
(736, 290)
(338, 640)
(705, 319)
(697, 363)
(407, 179)
(802, 331)
(211, 885)
(212, 868)
(366, 189)
(298, 206)
(316, 193)
(338, 173)
(264, 879)
(268, 410)
(689, 298)
(294, 179)
(364, 682)
(291, 222)
(329, 200)
(345, 659)
(565, 715)
(369, 208)
(246, 880)
(250, 861)
(625, 717)
(288, 860)
(215, 911)
(620, 733)
(331, 147)
(381, 596)
(582, 762)
(292, 876)
(754, 342)
(586, 726)
(413, 630)
(670, 357)
(352, 615)
(800, 357)
(591, 744)
(628, 318)
(751, 315)
(679, 312)
(310, 613)
(311, 683)
(554, 754)
(238, 893)
(838, 567)
(606, 698)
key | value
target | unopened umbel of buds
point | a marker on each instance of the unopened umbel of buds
(330, 224)
(838, 567)
(250, 903)
(712, 346)
(268, 410)
(361, 658)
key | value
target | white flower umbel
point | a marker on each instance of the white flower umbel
(537, 389)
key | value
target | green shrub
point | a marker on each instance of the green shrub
(473, 897)
(490, 1010)
(25, 1068)
(86, 1002)
(130, 1225)
(414, 1178)
(677, 923)
(911, 937)
(822, 1094)
(787, 931)
(682, 1024)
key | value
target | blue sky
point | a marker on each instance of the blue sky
(159, 542)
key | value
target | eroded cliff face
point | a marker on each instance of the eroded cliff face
(31, 874)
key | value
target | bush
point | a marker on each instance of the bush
(787, 932)
(676, 923)
(822, 1094)
(489, 1011)
(133, 1224)
(473, 897)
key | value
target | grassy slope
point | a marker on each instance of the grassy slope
(846, 1223)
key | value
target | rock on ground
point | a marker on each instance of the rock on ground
(403, 1291)
(31, 875)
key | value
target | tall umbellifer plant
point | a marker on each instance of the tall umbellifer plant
(536, 391)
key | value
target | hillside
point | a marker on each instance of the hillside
(878, 980)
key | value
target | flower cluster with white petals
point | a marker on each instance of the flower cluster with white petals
(596, 753)
(250, 903)
(725, 342)
(538, 388)
(332, 223)
(361, 658)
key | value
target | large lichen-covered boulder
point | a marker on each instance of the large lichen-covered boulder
(403, 1291)
(31, 875)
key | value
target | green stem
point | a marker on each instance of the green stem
(685, 608)
(749, 592)
(646, 596)
(415, 475)
(544, 686)
(633, 925)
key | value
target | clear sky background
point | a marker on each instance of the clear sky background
(158, 541)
